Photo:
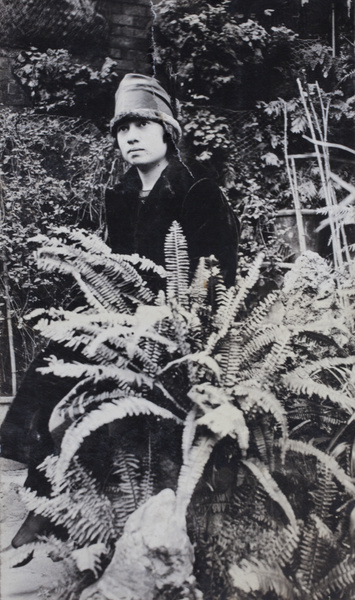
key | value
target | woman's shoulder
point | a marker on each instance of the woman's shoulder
(127, 184)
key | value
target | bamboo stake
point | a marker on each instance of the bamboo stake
(299, 219)
(337, 255)
(292, 177)
(10, 331)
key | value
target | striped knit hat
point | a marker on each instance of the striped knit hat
(140, 96)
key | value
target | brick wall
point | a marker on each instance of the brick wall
(130, 41)
(129, 44)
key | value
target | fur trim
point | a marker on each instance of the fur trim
(146, 113)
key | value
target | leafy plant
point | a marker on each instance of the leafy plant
(229, 103)
(242, 390)
(59, 83)
(54, 169)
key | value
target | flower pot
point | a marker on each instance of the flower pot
(287, 231)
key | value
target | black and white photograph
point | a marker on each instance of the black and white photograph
(177, 304)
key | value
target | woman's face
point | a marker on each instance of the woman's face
(141, 142)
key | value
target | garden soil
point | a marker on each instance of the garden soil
(21, 583)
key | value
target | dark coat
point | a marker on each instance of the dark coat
(134, 225)
(140, 224)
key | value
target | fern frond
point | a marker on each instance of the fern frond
(281, 548)
(337, 581)
(262, 474)
(313, 551)
(230, 353)
(324, 495)
(104, 282)
(328, 461)
(277, 357)
(253, 323)
(145, 264)
(191, 472)
(305, 385)
(199, 286)
(177, 264)
(324, 532)
(324, 364)
(233, 301)
(180, 329)
(255, 576)
(318, 541)
(227, 420)
(147, 486)
(256, 346)
(108, 412)
(79, 505)
(97, 373)
(198, 358)
(249, 396)
(188, 434)
(132, 489)
(76, 404)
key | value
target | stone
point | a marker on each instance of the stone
(153, 555)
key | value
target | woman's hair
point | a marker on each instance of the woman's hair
(169, 136)
(170, 139)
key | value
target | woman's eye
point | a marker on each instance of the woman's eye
(143, 123)
(122, 128)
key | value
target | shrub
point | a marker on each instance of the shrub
(54, 170)
(57, 83)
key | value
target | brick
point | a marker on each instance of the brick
(136, 10)
(121, 19)
(128, 32)
(131, 43)
(130, 20)
(128, 9)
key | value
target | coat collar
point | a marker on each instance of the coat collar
(175, 180)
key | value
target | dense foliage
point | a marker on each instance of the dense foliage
(60, 83)
(235, 69)
(54, 169)
(265, 405)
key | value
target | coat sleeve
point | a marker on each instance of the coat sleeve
(211, 227)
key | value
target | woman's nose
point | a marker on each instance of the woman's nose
(132, 134)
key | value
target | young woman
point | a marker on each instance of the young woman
(157, 190)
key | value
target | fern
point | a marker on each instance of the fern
(337, 581)
(253, 323)
(191, 472)
(250, 397)
(116, 409)
(261, 472)
(132, 488)
(307, 449)
(318, 541)
(177, 264)
(306, 385)
(227, 312)
(78, 505)
(254, 575)
(221, 376)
